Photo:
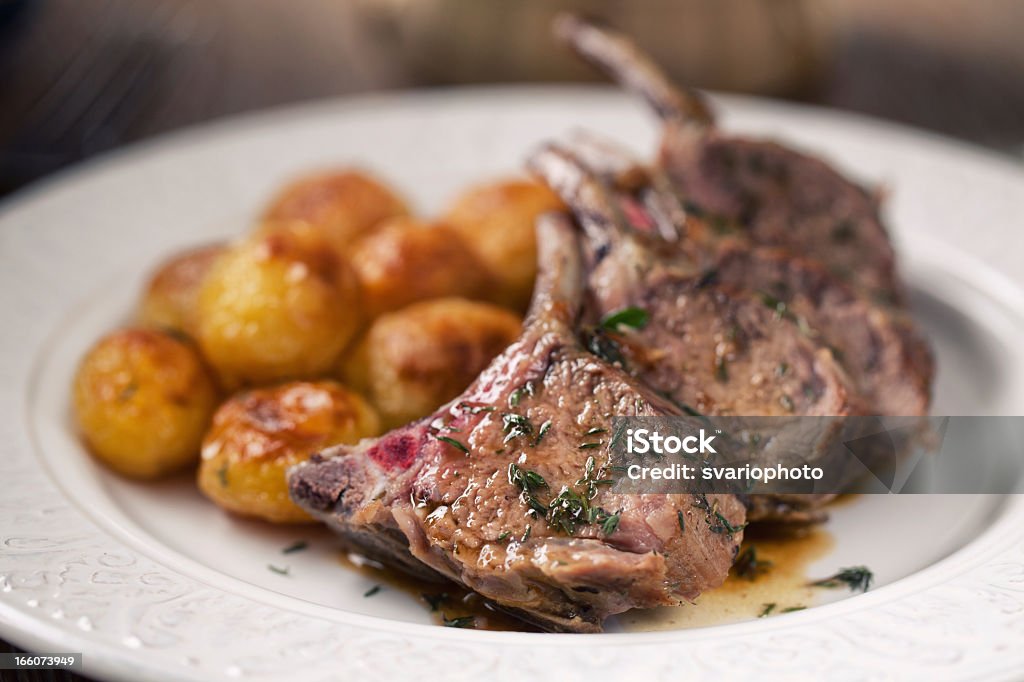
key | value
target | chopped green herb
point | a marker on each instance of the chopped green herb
(774, 303)
(222, 475)
(611, 523)
(515, 426)
(787, 402)
(517, 395)
(504, 536)
(297, 546)
(590, 446)
(604, 347)
(541, 432)
(567, 509)
(682, 520)
(372, 591)
(462, 622)
(476, 409)
(279, 571)
(781, 369)
(454, 443)
(748, 566)
(791, 609)
(632, 317)
(725, 526)
(526, 534)
(434, 601)
(855, 577)
(594, 431)
(767, 609)
(526, 480)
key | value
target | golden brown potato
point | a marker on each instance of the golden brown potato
(258, 434)
(412, 361)
(497, 221)
(280, 305)
(407, 260)
(344, 204)
(143, 399)
(172, 295)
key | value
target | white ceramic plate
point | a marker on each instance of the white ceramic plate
(152, 582)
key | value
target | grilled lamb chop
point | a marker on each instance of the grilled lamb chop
(710, 343)
(503, 490)
(887, 360)
(712, 349)
(755, 189)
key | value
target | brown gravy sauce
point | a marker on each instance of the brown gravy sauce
(783, 584)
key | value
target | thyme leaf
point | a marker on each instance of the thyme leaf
(632, 317)
(857, 578)
(454, 443)
(461, 622)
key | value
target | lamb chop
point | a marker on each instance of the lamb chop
(710, 341)
(755, 189)
(887, 360)
(505, 489)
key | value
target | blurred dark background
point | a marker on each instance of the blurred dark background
(81, 77)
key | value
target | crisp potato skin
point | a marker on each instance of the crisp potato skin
(171, 297)
(498, 221)
(143, 399)
(411, 361)
(344, 204)
(258, 434)
(279, 305)
(407, 260)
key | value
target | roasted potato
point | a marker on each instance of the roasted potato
(172, 295)
(258, 434)
(407, 260)
(344, 204)
(280, 305)
(143, 400)
(497, 221)
(411, 361)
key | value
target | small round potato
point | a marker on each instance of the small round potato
(172, 295)
(277, 306)
(407, 260)
(143, 400)
(497, 220)
(344, 204)
(258, 434)
(412, 361)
